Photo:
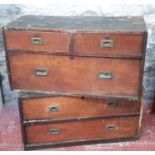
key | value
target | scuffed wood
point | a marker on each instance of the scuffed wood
(75, 107)
(75, 76)
(124, 127)
(121, 24)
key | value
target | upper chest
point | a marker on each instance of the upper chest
(107, 52)
(81, 36)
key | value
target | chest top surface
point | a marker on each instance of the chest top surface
(129, 24)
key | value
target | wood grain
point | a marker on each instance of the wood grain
(123, 44)
(75, 107)
(77, 76)
(74, 131)
(52, 41)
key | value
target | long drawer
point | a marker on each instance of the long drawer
(60, 108)
(83, 130)
(81, 75)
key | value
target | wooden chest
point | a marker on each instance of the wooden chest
(92, 65)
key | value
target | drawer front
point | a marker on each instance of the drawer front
(37, 41)
(83, 76)
(75, 107)
(108, 44)
(83, 130)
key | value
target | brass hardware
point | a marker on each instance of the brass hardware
(110, 127)
(104, 75)
(107, 42)
(54, 131)
(111, 104)
(41, 72)
(53, 109)
(37, 41)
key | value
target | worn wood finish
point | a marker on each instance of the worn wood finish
(75, 76)
(74, 131)
(51, 41)
(80, 23)
(75, 107)
(84, 44)
(123, 44)
(81, 142)
(87, 72)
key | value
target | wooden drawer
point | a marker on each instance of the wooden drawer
(75, 107)
(37, 41)
(83, 130)
(81, 75)
(108, 44)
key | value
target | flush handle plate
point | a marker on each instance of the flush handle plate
(104, 75)
(37, 41)
(41, 72)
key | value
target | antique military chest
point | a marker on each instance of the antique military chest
(90, 69)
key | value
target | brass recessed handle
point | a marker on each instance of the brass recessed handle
(41, 72)
(37, 41)
(110, 127)
(106, 43)
(112, 104)
(104, 75)
(54, 131)
(53, 109)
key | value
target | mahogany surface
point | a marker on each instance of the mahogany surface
(76, 107)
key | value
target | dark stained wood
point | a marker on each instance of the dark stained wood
(21, 121)
(75, 76)
(75, 107)
(74, 131)
(77, 143)
(52, 41)
(89, 43)
(115, 24)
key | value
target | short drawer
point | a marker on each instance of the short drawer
(37, 41)
(83, 130)
(108, 44)
(75, 107)
(78, 75)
